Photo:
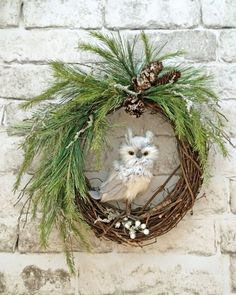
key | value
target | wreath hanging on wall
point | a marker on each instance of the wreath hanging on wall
(72, 120)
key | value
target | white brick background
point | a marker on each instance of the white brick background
(198, 256)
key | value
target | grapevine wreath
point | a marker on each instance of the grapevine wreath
(71, 119)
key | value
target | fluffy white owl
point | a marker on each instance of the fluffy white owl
(132, 174)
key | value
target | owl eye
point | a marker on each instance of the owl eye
(131, 153)
(145, 153)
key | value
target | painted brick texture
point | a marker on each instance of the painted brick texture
(199, 255)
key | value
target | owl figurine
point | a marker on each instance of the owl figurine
(133, 173)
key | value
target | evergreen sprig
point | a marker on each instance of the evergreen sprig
(72, 119)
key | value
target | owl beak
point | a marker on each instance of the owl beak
(139, 154)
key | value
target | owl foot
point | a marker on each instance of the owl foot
(128, 208)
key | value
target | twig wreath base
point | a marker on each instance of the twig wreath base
(158, 219)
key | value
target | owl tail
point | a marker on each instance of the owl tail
(95, 195)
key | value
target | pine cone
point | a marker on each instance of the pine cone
(141, 83)
(148, 76)
(156, 67)
(152, 71)
(134, 106)
(170, 77)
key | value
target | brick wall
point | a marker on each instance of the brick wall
(199, 255)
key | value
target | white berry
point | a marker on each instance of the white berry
(128, 224)
(146, 231)
(117, 225)
(137, 223)
(143, 226)
(132, 235)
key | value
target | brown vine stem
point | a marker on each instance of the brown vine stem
(160, 189)
(191, 158)
(187, 183)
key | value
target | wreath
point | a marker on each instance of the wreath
(71, 119)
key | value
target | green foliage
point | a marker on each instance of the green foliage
(193, 108)
(71, 120)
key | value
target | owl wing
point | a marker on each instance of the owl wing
(113, 188)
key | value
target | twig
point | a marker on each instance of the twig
(22, 193)
(125, 89)
(89, 124)
(160, 189)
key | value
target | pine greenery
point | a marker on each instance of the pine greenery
(71, 119)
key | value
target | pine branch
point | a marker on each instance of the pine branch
(125, 89)
(147, 48)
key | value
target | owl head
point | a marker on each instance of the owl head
(138, 149)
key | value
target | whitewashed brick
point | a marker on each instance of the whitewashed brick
(11, 114)
(14, 114)
(225, 80)
(153, 122)
(227, 45)
(150, 274)
(3, 103)
(36, 274)
(151, 14)
(113, 274)
(9, 12)
(23, 81)
(56, 13)
(168, 158)
(29, 241)
(219, 165)
(213, 197)
(219, 13)
(180, 239)
(228, 235)
(212, 70)
(188, 254)
(233, 272)
(198, 45)
(233, 195)
(228, 108)
(36, 45)
(8, 233)
(11, 156)
(7, 197)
